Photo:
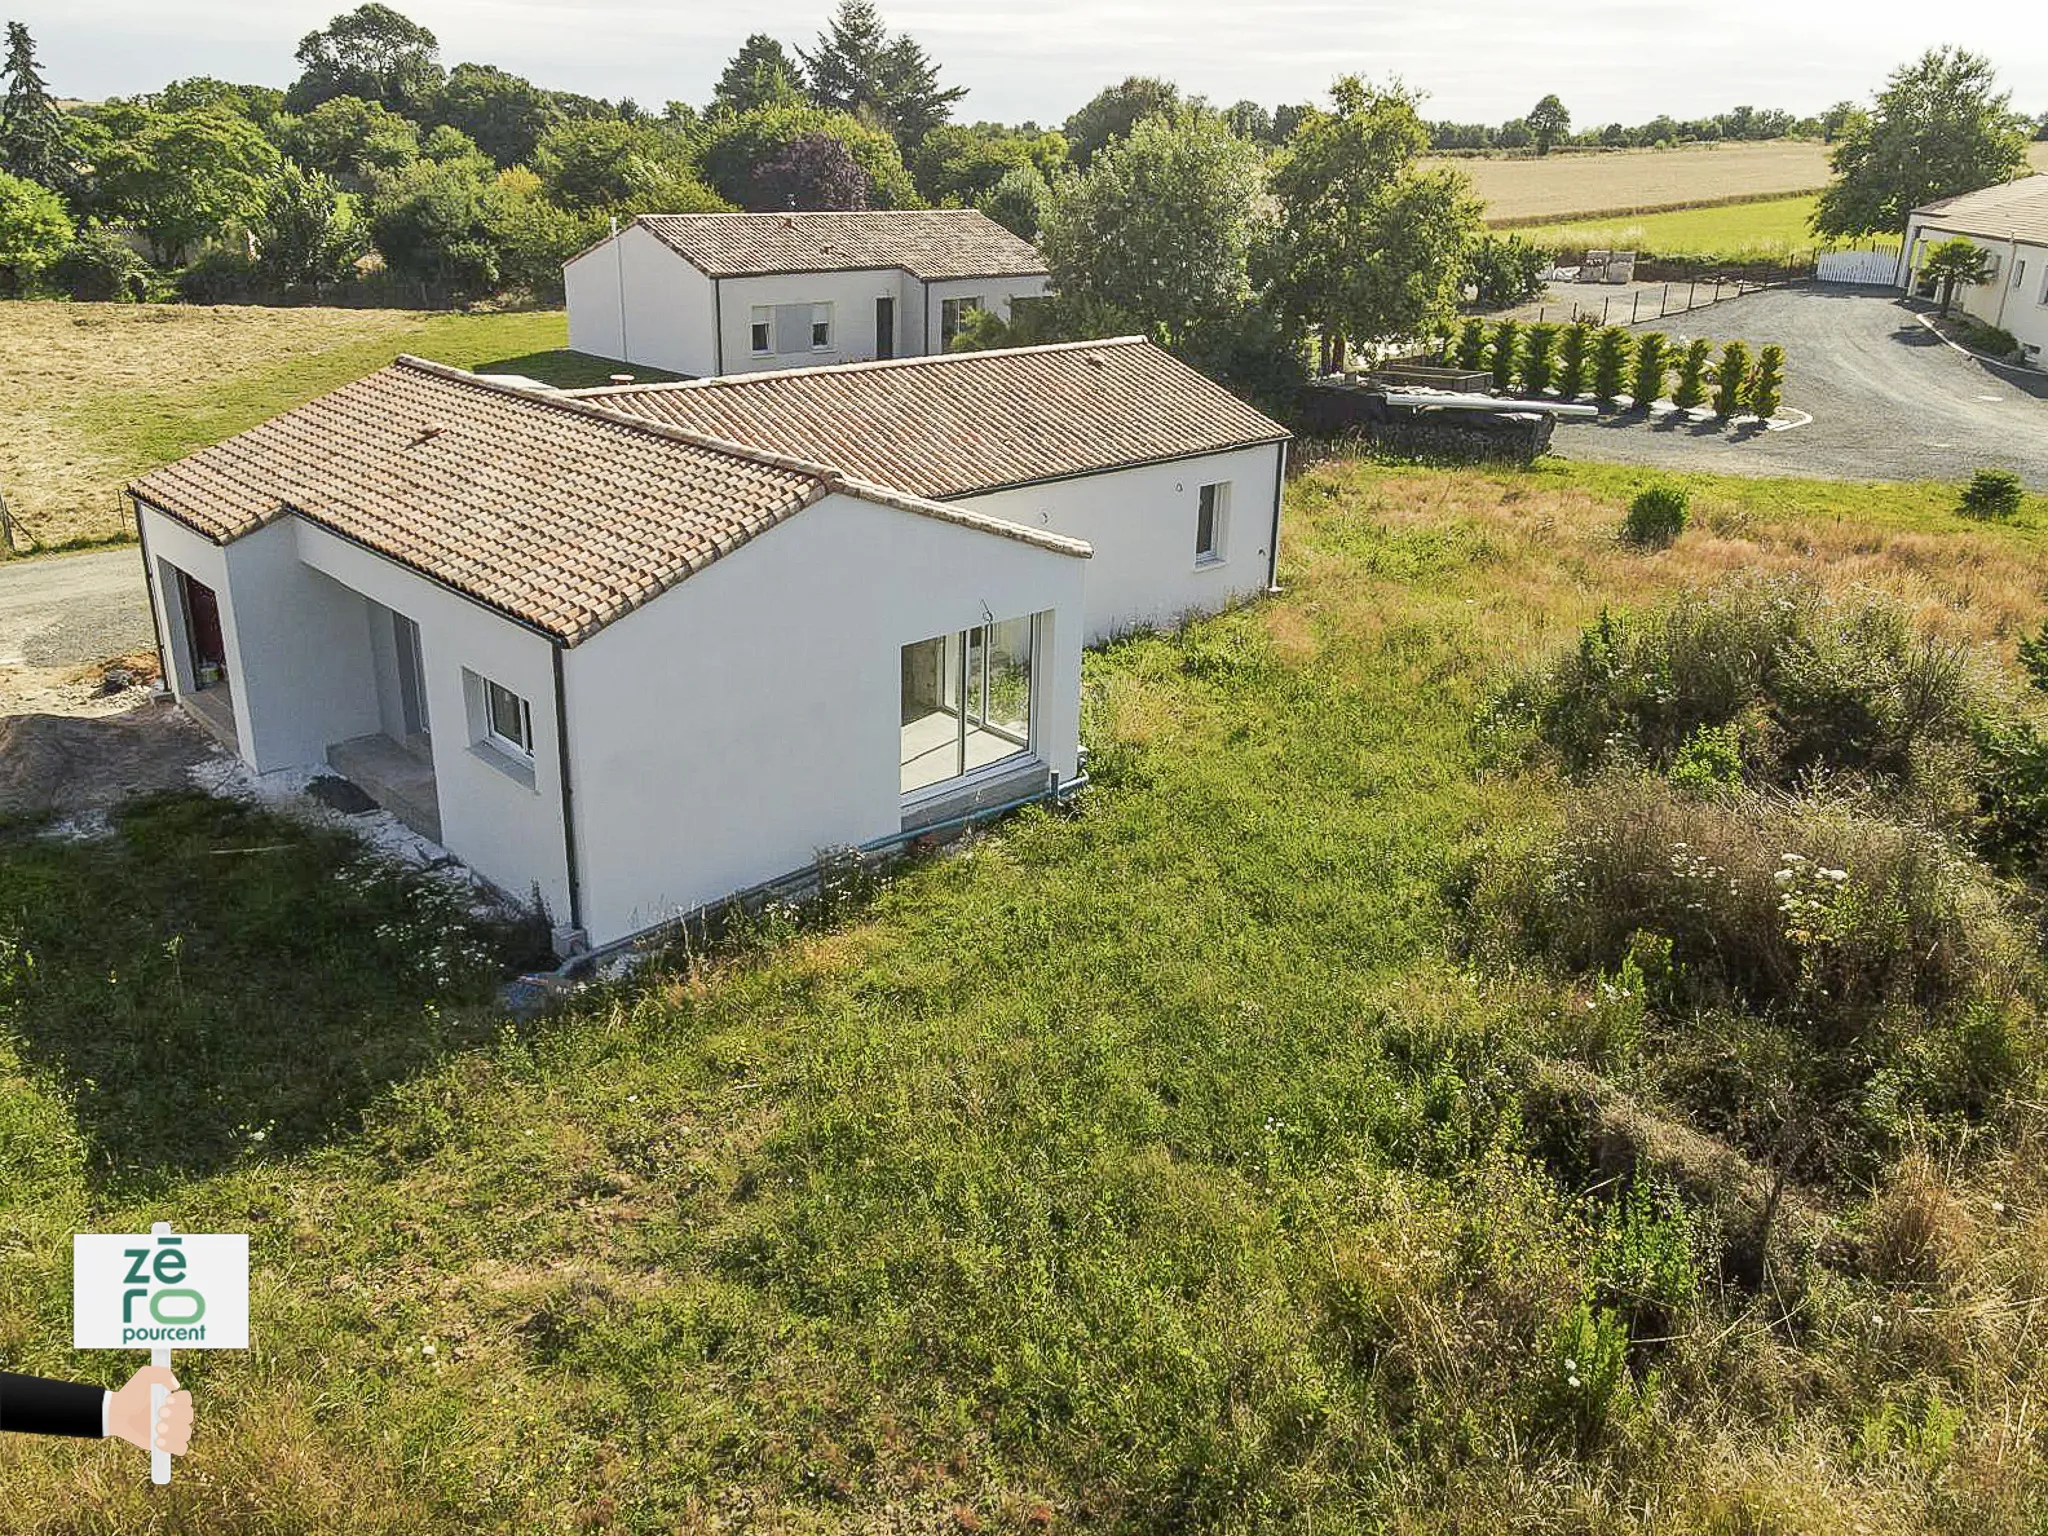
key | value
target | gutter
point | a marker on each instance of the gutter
(568, 805)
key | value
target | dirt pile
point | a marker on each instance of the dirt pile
(58, 765)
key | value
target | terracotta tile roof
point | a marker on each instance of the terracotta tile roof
(932, 244)
(2013, 208)
(557, 514)
(968, 422)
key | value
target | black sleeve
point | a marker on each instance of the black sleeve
(37, 1406)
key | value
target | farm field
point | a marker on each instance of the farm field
(1580, 187)
(1183, 1162)
(1771, 228)
(96, 393)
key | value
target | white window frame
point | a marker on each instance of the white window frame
(821, 316)
(520, 746)
(760, 324)
(1216, 550)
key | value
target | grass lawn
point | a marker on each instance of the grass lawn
(1159, 1166)
(97, 393)
(1774, 228)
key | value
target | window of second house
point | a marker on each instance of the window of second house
(821, 327)
(761, 334)
(953, 314)
(1212, 519)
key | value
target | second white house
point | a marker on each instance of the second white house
(2009, 224)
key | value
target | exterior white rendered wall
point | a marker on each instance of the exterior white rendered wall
(2016, 297)
(733, 728)
(166, 542)
(994, 293)
(661, 317)
(1142, 522)
(852, 296)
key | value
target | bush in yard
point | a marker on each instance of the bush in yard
(1849, 688)
(1610, 363)
(99, 267)
(1710, 760)
(2012, 798)
(1507, 354)
(1992, 494)
(1653, 361)
(1657, 516)
(1574, 353)
(1470, 353)
(221, 276)
(1539, 357)
(2033, 654)
(1691, 392)
(1731, 380)
(1767, 392)
(1505, 271)
(1979, 337)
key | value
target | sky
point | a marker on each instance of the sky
(1477, 60)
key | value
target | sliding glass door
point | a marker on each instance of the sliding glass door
(966, 701)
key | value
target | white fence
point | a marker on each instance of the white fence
(1880, 265)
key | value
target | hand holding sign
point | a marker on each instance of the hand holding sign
(166, 1431)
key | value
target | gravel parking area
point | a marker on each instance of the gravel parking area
(1889, 399)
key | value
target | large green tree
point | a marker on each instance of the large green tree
(1114, 111)
(858, 68)
(1938, 128)
(1159, 226)
(1368, 245)
(33, 143)
(304, 230)
(736, 147)
(958, 164)
(185, 177)
(350, 139)
(34, 231)
(372, 52)
(763, 73)
(1549, 123)
(613, 166)
(503, 113)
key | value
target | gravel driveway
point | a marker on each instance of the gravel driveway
(1889, 399)
(72, 610)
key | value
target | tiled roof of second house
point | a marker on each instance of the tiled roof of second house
(2017, 209)
(560, 515)
(968, 422)
(931, 243)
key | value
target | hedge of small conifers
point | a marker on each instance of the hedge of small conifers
(1610, 361)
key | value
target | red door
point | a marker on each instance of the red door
(202, 613)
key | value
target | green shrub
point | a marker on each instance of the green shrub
(1988, 339)
(1691, 392)
(1850, 688)
(1539, 357)
(218, 277)
(1709, 760)
(1653, 361)
(1507, 354)
(1611, 353)
(1574, 354)
(99, 268)
(2012, 798)
(1731, 380)
(1471, 351)
(1646, 1258)
(2033, 653)
(1657, 516)
(1505, 271)
(1585, 1383)
(1767, 393)
(1992, 494)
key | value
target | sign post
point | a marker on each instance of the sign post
(155, 1291)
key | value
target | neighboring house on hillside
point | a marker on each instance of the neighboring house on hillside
(628, 666)
(1173, 481)
(2009, 223)
(704, 294)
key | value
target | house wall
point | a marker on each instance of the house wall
(665, 320)
(1142, 524)
(168, 547)
(2016, 297)
(728, 731)
(500, 817)
(852, 296)
(994, 292)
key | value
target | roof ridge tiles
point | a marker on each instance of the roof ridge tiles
(872, 365)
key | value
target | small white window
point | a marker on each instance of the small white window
(508, 719)
(762, 330)
(1212, 517)
(2044, 288)
(821, 327)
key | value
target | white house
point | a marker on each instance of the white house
(703, 294)
(2009, 223)
(1173, 481)
(633, 668)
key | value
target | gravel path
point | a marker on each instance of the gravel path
(1889, 399)
(72, 610)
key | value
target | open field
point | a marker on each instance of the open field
(1164, 1166)
(1772, 228)
(1582, 187)
(96, 393)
